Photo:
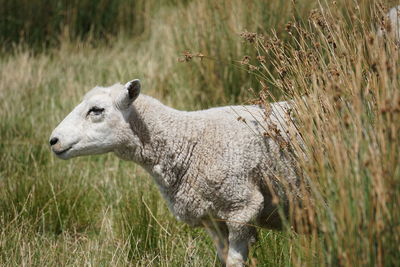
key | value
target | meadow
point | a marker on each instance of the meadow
(102, 211)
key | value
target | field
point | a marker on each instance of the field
(102, 211)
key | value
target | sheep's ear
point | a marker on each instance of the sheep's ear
(133, 88)
(130, 92)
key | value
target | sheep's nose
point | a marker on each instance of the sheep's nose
(53, 141)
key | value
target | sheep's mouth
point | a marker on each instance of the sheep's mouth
(59, 153)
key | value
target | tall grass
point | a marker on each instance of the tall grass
(102, 211)
(345, 83)
(40, 23)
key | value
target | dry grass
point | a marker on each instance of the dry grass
(345, 83)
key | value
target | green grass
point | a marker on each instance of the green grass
(99, 210)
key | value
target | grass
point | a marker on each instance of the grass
(39, 23)
(344, 79)
(100, 210)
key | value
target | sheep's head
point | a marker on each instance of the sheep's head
(97, 124)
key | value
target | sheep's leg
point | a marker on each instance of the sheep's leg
(219, 234)
(241, 238)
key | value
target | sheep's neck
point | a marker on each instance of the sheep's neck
(162, 142)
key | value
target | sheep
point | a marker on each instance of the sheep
(393, 23)
(220, 168)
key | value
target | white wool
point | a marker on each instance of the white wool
(215, 168)
(393, 17)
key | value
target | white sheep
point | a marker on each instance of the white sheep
(393, 18)
(216, 168)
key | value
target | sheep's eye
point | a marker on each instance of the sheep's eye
(95, 111)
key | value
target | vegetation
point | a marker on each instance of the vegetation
(100, 210)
